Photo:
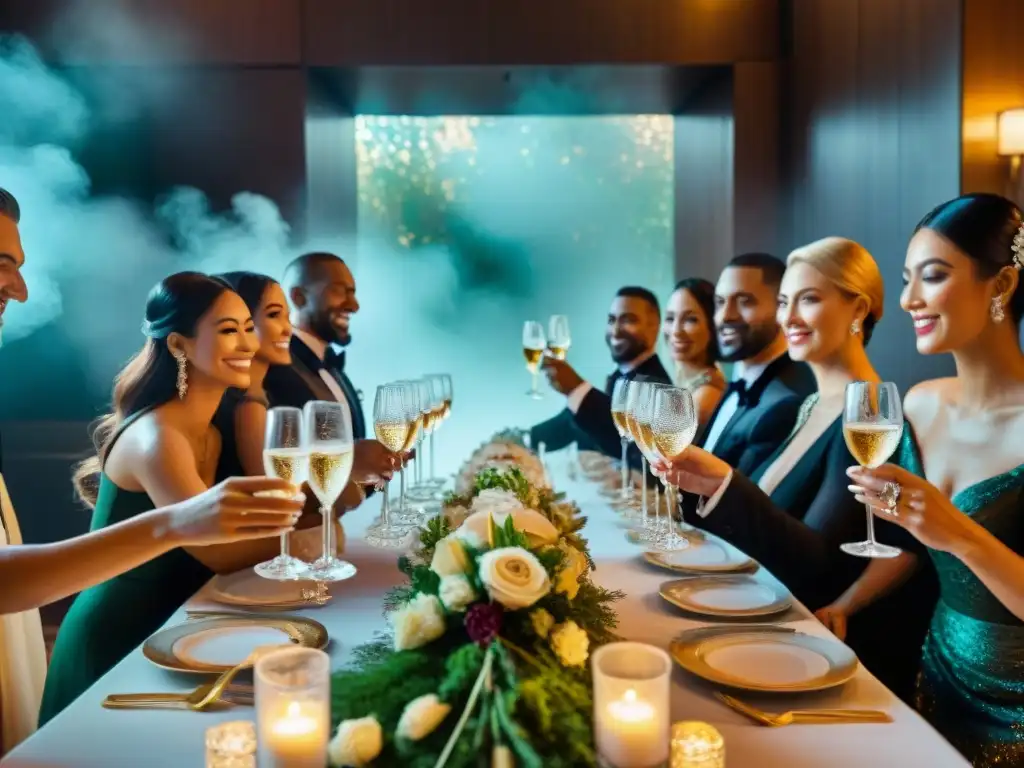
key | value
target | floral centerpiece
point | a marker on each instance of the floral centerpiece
(486, 659)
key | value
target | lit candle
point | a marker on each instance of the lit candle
(633, 733)
(297, 738)
(697, 745)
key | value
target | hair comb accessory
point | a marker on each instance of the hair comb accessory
(1018, 248)
(147, 328)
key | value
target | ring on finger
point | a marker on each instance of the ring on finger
(890, 494)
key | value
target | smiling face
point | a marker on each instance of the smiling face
(326, 304)
(273, 329)
(815, 315)
(745, 308)
(687, 330)
(12, 257)
(224, 343)
(632, 328)
(949, 302)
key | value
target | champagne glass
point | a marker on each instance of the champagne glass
(420, 490)
(872, 426)
(435, 383)
(620, 407)
(643, 416)
(331, 453)
(533, 350)
(444, 382)
(414, 417)
(392, 427)
(559, 338)
(284, 457)
(673, 426)
(636, 398)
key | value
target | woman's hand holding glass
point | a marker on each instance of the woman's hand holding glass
(695, 471)
(237, 509)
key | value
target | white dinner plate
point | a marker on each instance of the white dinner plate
(708, 556)
(764, 659)
(739, 595)
(249, 588)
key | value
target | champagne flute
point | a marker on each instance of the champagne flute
(636, 397)
(620, 407)
(448, 394)
(444, 382)
(533, 350)
(420, 490)
(643, 417)
(435, 383)
(331, 453)
(284, 457)
(559, 338)
(673, 426)
(872, 427)
(392, 428)
(414, 417)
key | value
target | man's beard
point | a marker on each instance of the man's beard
(633, 349)
(753, 340)
(326, 330)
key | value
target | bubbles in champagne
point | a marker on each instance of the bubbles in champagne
(393, 435)
(533, 357)
(872, 444)
(671, 444)
(330, 465)
(414, 432)
(619, 417)
(288, 464)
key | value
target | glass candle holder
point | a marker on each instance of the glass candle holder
(231, 745)
(631, 705)
(697, 745)
(293, 713)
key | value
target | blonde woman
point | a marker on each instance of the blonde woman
(794, 511)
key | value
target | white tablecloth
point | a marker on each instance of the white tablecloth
(87, 736)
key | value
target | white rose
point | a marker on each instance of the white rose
(471, 537)
(538, 529)
(356, 743)
(456, 593)
(496, 500)
(513, 577)
(574, 565)
(450, 557)
(571, 644)
(421, 716)
(418, 622)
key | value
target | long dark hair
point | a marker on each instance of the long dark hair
(982, 226)
(249, 285)
(704, 293)
(175, 305)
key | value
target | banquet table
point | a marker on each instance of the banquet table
(85, 735)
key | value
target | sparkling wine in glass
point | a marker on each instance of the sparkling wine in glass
(392, 428)
(872, 426)
(285, 457)
(436, 388)
(559, 338)
(534, 343)
(637, 396)
(620, 403)
(421, 489)
(331, 453)
(673, 427)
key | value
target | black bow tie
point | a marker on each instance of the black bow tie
(742, 392)
(334, 360)
(609, 387)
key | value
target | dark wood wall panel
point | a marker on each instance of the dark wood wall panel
(540, 32)
(872, 138)
(993, 81)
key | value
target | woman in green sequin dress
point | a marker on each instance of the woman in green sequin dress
(961, 493)
(157, 447)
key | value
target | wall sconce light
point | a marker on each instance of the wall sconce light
(1010, 143)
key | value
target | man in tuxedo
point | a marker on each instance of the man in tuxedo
(12, 257)
(322, 294)
(760, 407)
(634, 321)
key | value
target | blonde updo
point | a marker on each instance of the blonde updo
(850, 268)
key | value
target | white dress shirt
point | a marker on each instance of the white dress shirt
(581, 390)
(319, 348)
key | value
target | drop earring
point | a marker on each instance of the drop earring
(182, 382)
(855, 327)
(998, 315)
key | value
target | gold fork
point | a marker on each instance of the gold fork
(800, 716)
(233, 695)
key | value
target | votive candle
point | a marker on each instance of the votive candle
(293, 708)
(631, 705)
(697, 745)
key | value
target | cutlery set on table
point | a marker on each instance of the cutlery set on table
(225, 642)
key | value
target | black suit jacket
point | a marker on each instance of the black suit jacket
(757, 429)
(795, 533)
(300, 382)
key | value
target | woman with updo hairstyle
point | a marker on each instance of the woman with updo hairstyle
(689, 330)
(157, 447)
(960, 490)
(792, 513)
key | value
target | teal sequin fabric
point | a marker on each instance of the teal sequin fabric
(971, 686)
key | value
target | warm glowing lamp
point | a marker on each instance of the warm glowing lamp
(1010, 132)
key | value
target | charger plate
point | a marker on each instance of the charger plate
(217, 644)
(708, 556)
(248, 588)
(768, 659)
(739, 595)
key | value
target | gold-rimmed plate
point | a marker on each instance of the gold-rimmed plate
(248, 588)
(728, 596)
(216, 644)
(708, 556)
(764, 659)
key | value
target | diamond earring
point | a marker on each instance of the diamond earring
(182, 382)
(998, 315)
(855, 327)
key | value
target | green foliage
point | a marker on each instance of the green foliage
(511, 480)
(461, 670)
(507, 536)
(436, 529)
